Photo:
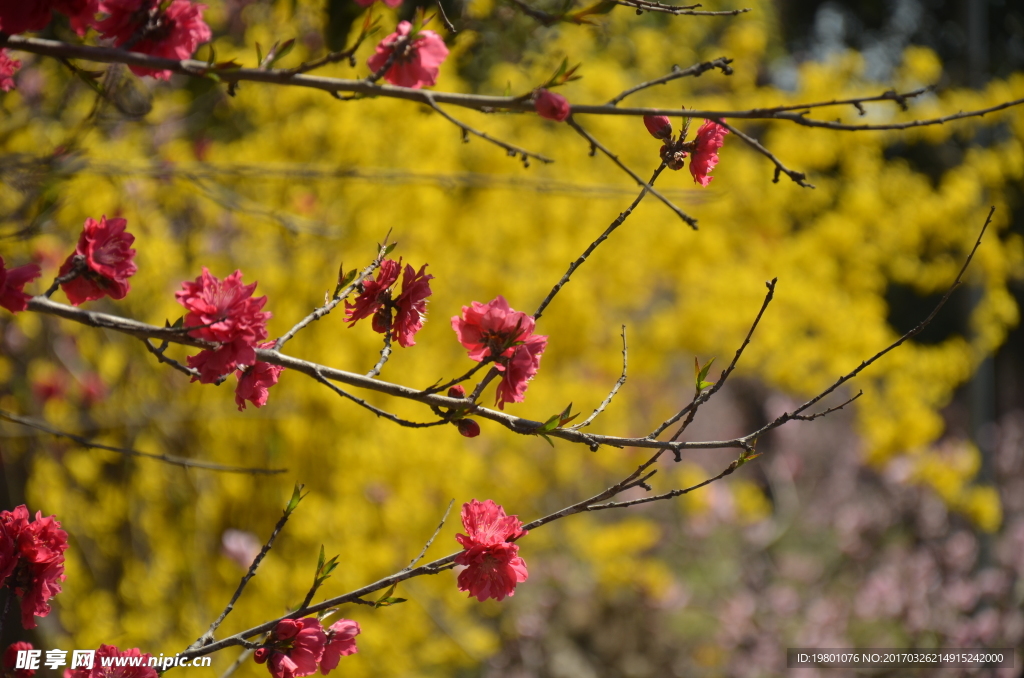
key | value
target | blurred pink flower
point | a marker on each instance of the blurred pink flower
(81, 13)
(240, 546)
(171, 33)
(106, 247)
(493, 566)
(418, 62)
(8, 67)
(11, 660)
(341, 642)
(551, 106)
(12, 282)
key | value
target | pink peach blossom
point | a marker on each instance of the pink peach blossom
(254, 382)
(8, 67)
(341, 642)
(710, 138)
(106, 247)
(551, 106)
(171, 33)
(32, 560)
(12, 282)
(98, 669)
(294, 648)
(493, 566)
(402, 316)
(419, 60)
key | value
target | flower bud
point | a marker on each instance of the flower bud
(260, 655)
(457, 391)
(468, 428)
(659, 126)
(551, 106)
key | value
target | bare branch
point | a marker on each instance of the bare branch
(595, 144)
(385, 353)
(129, 452)
(816, 415)
(704, 396)
(721, 63)
(647, 6)
(444, 18)
(159, 353)
(593, 246)
(376, 410)
(510, 149)
(797, 177)
(205, 639)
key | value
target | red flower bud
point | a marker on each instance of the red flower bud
(659, 126)
(260, 655)
(457, 391)
(468, 428)
(550, 105)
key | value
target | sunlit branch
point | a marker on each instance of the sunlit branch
(705, 395)
(510, 149)
(432, 537)
(480, 102)
(721, 63)
(691, 10)
(594, 245)
(597, 145)
(129, 452)
(159, 353)
(798, 177)
(376, 410)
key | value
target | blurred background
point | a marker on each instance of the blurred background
(897, 522)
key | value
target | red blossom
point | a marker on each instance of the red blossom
(171, 33)
(493, 566)
(254, 382)
(550, 105)
(659, 126)
(12, 281)
(710, 138)
(417, 63)
(225, 312)
(495, 330)
(402, 316)
(294, 648)
(341, 642)
(18, 16)
(8, 67)
(11, 660)
(32, 560)
(108, 262)
(81, 13)
(98, 669)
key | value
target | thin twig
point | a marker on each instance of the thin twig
(667, 495)
(159, 353)
(78, 266)
(704, 396)
(385, 353)
(129, 452)
(205, 639)
(721, 63)
(798, 177)
(336, 299)
(615, 388)
(595, 144)
(816, 415)
(444, 19)
(510, 149)
(646, 6)
(432, 537)
(600, 239)
(458, 380)
(376, 410)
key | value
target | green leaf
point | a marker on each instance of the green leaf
(701, 374)
(546, 437)
(508, 88)
(383, 600)
(389, 249)
(259, 54)
(389, 601)
(321, 560)
(283, 52)
(296, 498)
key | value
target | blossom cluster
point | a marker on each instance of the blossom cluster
(31, 560)
(491, 560)
(703, 150)
(399, 316)
(298, 647)
(494, 331)
(170, 30)
(412, 58)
